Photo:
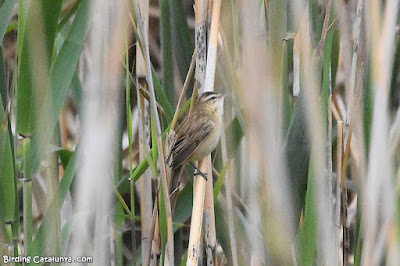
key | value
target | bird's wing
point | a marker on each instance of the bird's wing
(197, 133)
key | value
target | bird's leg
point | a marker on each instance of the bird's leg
(199, 172)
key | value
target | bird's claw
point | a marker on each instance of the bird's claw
(199, 172)
(204, 175)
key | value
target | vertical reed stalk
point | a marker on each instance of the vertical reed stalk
(27, 196)
(146, 202)
(339, 159)
(99, 119)
(199, 184)
(144, 37)
(378, 187)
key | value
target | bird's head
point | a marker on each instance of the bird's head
(211, 100)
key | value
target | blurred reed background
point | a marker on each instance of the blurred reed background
(308, 167)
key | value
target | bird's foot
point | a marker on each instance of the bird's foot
(199, 172)
(204, 175)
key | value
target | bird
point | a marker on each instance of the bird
(199, 133)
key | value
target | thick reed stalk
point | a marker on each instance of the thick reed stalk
(199, 185)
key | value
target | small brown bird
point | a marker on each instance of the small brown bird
(199, 133)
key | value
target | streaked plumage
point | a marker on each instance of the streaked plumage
(199, 133)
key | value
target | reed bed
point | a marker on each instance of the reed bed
(307, 169)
